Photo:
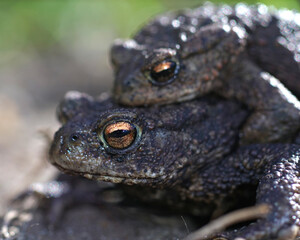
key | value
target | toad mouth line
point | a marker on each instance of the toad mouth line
(103, 177)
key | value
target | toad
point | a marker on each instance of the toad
(189, 148)
(236, 52)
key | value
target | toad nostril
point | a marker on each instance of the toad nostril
(127, 83)
(74, 137)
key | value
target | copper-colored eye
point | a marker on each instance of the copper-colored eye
(163, 72)
(120, 135)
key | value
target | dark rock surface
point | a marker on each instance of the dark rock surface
(109, 220)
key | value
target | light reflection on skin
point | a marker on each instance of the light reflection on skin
(283, 91)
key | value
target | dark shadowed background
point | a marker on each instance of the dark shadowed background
(48, 48)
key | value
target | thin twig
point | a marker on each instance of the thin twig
(223, 222)
(185, 224)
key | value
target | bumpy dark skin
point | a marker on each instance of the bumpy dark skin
(188, 147)
(234, 52)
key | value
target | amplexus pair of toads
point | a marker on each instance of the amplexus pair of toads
(212, 150)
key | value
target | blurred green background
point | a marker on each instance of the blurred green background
(34, 24)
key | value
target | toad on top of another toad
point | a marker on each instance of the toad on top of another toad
(237, 52)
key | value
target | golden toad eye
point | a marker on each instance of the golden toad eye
(164, 72)
(120, 135)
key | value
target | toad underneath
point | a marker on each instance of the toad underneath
(189, 148)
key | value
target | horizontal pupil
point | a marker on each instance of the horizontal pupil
(119, 133)
(164, 73)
